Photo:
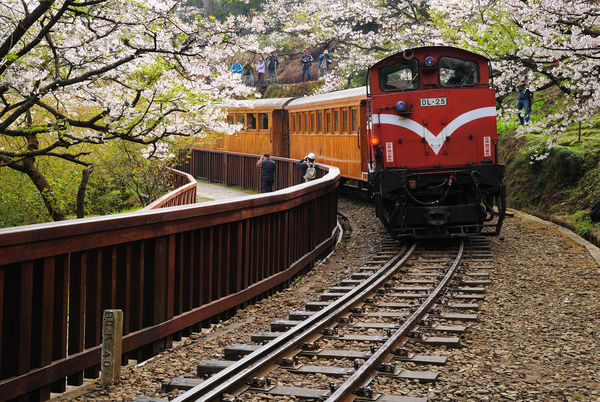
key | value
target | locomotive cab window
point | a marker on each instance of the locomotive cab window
(400, 76)
(458, 73)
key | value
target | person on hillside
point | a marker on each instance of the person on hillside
(267, 173)
(248, 74)
(236, 67)
(260, 69)
(306, 59)
(524, 101)
(272, 62)
(307, 167)
(324, 62)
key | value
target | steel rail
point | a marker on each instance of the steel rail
(361, 374)
(235, 374)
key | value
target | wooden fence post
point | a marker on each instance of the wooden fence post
(112, 346)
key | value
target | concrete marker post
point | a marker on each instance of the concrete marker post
(112, 347)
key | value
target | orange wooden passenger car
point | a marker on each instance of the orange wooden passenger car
(333, 126)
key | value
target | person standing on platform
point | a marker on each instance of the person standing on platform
(306, 60)
(236, 67)
(272, 63)
(260, 69)
(267, 173)
(248, 74)
(324, 62)
(524, 101)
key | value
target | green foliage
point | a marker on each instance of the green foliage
(358, 79)
(296, 280)
(125, 179)
(122, 180)
(20, 202)
(583, 223)
(561, 168)
(221, 9)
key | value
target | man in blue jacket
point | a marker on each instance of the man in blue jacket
(525, 99)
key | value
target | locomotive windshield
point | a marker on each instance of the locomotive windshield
(400, 76)
(458, 73)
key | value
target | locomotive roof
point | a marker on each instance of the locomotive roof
(329, 96)
(434, 51)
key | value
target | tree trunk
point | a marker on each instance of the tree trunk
(44, 188)
(85, 175)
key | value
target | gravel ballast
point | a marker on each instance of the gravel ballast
(537, 338)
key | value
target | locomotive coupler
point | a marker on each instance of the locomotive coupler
(436, 216)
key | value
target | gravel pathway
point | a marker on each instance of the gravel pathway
(537, 338)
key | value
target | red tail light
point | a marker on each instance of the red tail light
(374, 141)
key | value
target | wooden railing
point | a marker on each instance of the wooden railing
(170, 270)
(235, 169)
(183, 193)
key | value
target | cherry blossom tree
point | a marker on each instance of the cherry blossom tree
(554, 43)
(75, 74)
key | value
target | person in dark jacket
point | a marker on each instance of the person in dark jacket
(248, 74)
(306, 60)
(524, 101)
(272, 62)
(267, 173)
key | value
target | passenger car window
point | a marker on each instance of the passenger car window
(400, 76)
(319, 122)
(264, 121)
(252, 121)
(354, 120)
(242, 120)
(458, 73)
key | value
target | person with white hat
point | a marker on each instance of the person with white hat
(324, 62)
(307, 167)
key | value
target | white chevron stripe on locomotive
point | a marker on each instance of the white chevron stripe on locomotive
(435, 141)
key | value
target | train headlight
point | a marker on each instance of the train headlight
(401, 106)
(374, 141)
(429, 61)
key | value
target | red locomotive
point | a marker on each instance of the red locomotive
(434, 168)
(421, 137)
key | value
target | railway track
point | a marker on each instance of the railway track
(379, 335)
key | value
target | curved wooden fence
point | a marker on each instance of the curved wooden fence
(183, 193)
(169, 270)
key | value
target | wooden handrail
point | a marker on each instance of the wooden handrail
(184, 191)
